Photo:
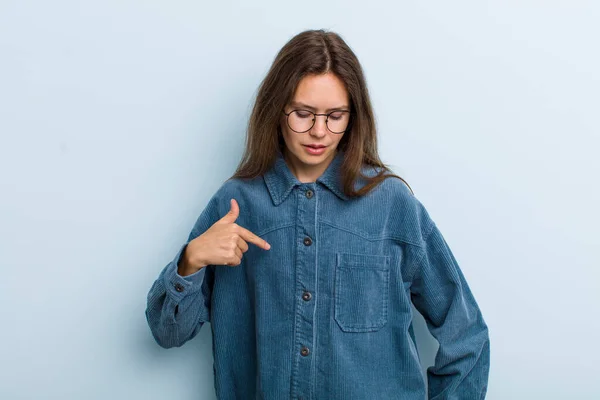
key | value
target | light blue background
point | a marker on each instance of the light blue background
(119, 119)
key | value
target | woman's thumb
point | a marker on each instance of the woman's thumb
(233, 213)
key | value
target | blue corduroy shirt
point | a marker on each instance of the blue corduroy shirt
(326, 312)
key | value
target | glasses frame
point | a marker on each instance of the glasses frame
(315, 115)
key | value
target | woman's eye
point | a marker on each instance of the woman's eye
(336, 115)
(304, 114)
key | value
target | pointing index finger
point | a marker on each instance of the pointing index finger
(248, 236)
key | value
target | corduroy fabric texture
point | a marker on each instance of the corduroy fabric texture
(326, 312)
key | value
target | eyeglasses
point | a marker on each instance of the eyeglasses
(301, 121)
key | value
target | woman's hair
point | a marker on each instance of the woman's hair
(314, 52)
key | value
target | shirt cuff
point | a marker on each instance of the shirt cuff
(179, 286)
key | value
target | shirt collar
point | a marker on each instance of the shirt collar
(280, 180)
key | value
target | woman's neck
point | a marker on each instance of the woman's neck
(305, 173)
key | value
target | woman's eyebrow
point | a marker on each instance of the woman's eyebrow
(299, 104)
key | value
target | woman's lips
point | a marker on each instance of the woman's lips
(314, 150)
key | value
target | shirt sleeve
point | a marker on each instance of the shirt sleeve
(178, 306)
(440, 293)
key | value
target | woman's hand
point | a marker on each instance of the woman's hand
(222, 244)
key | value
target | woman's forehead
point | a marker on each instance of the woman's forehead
(321, 92)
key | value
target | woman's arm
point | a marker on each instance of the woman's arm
(178, 306)
(441, 294)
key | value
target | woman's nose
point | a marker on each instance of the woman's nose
(320, 126)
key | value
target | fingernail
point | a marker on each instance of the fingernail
(268, 246)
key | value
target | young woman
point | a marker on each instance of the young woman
(307, 260)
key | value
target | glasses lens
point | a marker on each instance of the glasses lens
(300, 120)
(338, 121)
(303, 121)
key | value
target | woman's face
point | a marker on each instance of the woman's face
(320, 94)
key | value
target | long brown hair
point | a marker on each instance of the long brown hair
(314, 52)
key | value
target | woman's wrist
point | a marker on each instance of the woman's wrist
(185, 267)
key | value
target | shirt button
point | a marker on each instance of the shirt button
(307, 241)
(306, 296)
(179, 287)
(304, 351)
(309, 193)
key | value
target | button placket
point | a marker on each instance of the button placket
(306, 277)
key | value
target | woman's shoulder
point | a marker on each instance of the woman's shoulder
(236, 188)
(407, 216)
(391, 187)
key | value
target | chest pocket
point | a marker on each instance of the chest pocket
(361, 291)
